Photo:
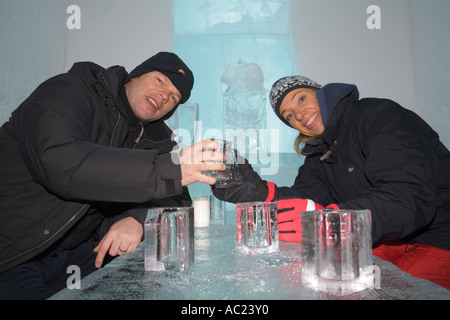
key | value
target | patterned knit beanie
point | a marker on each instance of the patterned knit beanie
(285, 85)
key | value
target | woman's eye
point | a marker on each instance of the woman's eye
(302, 99)
(289, 117)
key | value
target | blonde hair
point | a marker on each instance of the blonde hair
(299, 140)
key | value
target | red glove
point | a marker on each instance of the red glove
(288, 217)
(289, 220)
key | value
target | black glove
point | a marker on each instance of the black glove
(253, 188)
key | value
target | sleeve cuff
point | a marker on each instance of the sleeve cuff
(169, 169)
(170, 175)
(271, 191)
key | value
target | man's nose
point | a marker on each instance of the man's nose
(165, 94)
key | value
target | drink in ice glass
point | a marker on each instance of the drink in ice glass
(337, 250)
(256, 227)
(169, 239)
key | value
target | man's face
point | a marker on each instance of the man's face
(152, 96)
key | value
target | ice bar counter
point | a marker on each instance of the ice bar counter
(221, 272)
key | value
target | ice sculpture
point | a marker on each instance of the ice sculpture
(222, 40)
(244, 99)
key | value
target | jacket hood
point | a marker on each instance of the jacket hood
(110, 81)
(113, 81)
(330, 95)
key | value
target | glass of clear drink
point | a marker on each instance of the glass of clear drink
(256, 227)
(337, 250)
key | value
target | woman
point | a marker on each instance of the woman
(363, 154)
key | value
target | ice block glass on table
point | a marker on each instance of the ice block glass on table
(169, 239)
(337, 250)
(256, 227)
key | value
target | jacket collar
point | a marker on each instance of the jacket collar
(114, 79)
(108, 83)
(329, 97)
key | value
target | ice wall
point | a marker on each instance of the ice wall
(115, 32)
(36, 44)
(31, 48)
(237, 50)
(431, 47)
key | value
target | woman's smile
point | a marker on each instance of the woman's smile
(300, 108)
(310, 124)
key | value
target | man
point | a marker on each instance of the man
(81, 160)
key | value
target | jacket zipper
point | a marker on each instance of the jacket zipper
(140, 134)
(114, 130)
(102, 77)
(324, 146)
(325, 156)
(106, 83)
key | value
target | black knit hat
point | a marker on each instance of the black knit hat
(282, 87)
(172, 67)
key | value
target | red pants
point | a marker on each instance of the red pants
(420, 260)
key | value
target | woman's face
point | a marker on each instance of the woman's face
(301, 109)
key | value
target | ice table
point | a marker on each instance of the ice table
(221, 273)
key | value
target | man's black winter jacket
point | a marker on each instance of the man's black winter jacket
(71, 144)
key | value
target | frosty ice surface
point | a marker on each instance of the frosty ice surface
(337, 250)
(256, 227)
(169, 239)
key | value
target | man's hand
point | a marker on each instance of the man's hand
(123, 236)
(198, 158)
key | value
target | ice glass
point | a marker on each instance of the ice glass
(217, 211)
(169, 239)
(231, 176)
(256, 227)
(337, 250)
